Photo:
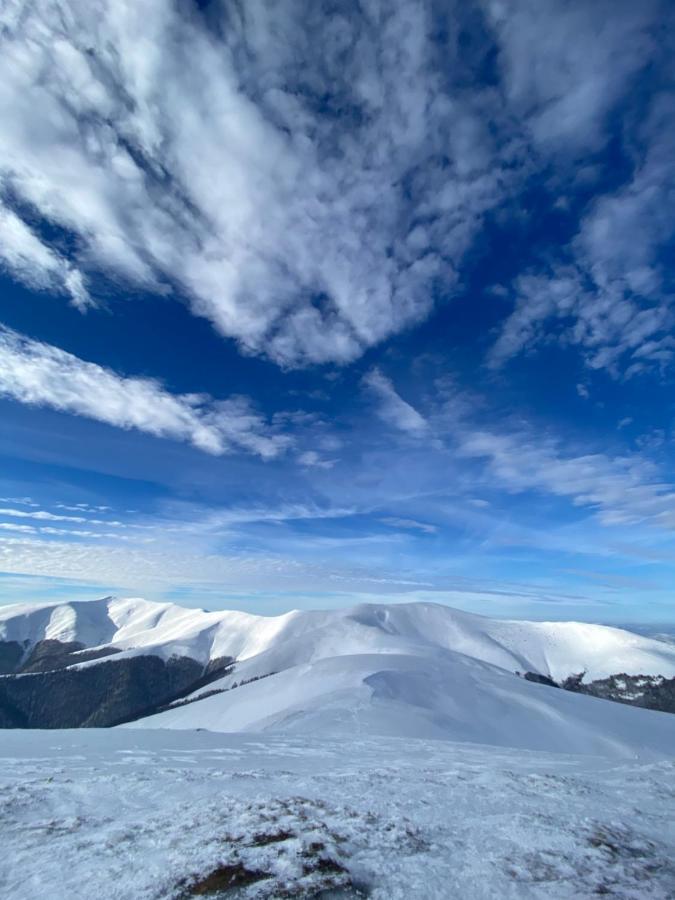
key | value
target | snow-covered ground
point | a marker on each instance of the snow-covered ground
(128, 815)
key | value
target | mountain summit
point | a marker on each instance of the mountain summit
(418, 669)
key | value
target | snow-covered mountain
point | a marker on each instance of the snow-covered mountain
(554, 649)
(421, 670)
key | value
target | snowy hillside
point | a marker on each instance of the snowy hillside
(409, 670)
(556, 649)
(448, 696)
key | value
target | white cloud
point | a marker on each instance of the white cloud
(83, 533)
(64, 532)
(653, 441)
(46, 516)
(23, 529)
(313, 460)
(31, 261)
(615, 329)
(172, 566)
(608, 297)
(310, 211)
(583, 392)
(391, 407)
(409, 524)
(40, 514)
(273, 196)
(204, 521)
(566, 63)
(620, 489)
(78, 507)
(42, 375)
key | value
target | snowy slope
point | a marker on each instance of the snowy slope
(133, 815)
(445, 696)
(556, 649)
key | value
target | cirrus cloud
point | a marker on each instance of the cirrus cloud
(39, 374)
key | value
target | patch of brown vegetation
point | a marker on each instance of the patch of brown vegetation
(275, 837)
(225, 878)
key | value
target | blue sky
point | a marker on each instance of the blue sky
(306, 304)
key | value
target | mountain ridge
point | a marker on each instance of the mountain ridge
(132, 625)
(400, 670)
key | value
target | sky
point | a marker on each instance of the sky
(308, 304)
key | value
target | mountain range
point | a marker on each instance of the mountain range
(417, 670)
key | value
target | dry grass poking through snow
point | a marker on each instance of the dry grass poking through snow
(294, 848)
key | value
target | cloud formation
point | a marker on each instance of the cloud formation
(569, 68)
(171, 566)
(391, 407)
(622, 489)
(313, 460)
(311, 179)
(39, 374)
(307, 209)
(566, 63)
(409, 524)
(31, 261)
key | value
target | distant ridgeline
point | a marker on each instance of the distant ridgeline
(105, 662)
(646, 691)
(63, 685)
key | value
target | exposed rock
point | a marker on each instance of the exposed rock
(226, 878)
(540, 679)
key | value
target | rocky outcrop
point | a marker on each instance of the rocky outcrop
(539, 679)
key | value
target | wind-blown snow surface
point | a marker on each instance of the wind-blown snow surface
(133, 815)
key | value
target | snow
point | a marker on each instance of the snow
(444, 696)
(556, 649)
(139, 815)
(390, 751)
(408, 670)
